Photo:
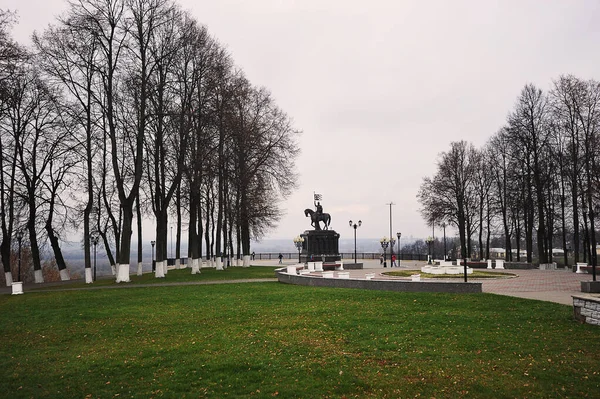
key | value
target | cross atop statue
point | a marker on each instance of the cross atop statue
(318, 216)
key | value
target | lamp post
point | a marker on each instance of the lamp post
(392, 247)
(20, 239)
(445, 251)
(298, 241)
(355, 226)
(153, 243)
(429, 241)
(95, 240)
(384, 244)
(399, 235)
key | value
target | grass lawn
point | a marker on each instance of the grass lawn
(271, 339)
(475, 274)
(175, 276)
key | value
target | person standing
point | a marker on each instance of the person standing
(393, 260)
(280, 258)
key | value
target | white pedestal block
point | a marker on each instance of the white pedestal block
(489, 262)
(291, 270)
(17, 288)
(344, 275)
(318, 266)
(579, 267)
(415, 277)
(311, 266)
(499, 263)
(328, 274)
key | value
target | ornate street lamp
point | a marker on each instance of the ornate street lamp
(399, 257)
(355, 226)
(429, 242)
(153, 264)
(384, 244)
(20, 239)
(95, 240)
(298, 241)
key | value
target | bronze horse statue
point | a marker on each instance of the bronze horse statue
(315, 218)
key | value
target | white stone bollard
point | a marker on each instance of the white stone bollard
(17, 288)
(340, 267)
(318, 266)
(328, 274)
(499, 263)
(415, 277)
(458, 262)
(489, 262)
(311, 266)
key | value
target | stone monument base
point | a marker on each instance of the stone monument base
(320, 246)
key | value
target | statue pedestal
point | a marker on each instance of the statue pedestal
(320, 246)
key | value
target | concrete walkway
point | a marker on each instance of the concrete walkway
(544, 285)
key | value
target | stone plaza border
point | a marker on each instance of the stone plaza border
(379, 285)
(586, 309)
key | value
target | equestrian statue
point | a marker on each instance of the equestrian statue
(318, 216)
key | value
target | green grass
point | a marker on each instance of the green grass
(475, 274)
(270, 339)
(176, 276)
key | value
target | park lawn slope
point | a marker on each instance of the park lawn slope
(173, 276)
(271, 339)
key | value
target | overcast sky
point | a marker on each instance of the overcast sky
(380, 88)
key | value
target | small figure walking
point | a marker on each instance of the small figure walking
(380, 260)
(253, 255)
(393, 261)
(280, 258)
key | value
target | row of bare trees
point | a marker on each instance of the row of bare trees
(129, 109)
(535, 182)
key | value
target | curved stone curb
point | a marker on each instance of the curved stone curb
(380, 285)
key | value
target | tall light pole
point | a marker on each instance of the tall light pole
(153, 265)
(95, 240)
(429, 241)
(298, 241)
(355, 226)
(384, 244)
(20, 239)
(399, 235)
(392, 248)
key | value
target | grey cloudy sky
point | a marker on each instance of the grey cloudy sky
(380, 88)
